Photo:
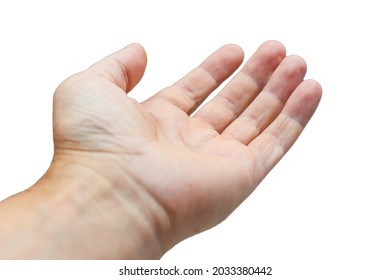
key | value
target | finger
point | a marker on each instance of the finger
(124, 68)
(244, 87)
(270, 102)
(277, 139)
(191, 90)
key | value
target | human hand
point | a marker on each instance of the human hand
(160, 166)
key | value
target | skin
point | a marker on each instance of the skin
(130, 180)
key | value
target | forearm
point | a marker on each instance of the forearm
(64, 216)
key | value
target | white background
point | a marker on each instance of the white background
(324, 211)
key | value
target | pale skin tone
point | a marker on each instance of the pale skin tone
(130, 180)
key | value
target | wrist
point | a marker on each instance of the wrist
(106, 214)
(82, 213)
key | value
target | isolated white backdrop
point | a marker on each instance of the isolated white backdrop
(323, 212)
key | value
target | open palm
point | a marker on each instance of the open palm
(195, 165)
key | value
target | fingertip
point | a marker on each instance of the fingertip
(306, 100)
(138, 48)
(314, 88)
(274, 46)
(294, 65)
(223, 62)
(137, 52)
(135, 44)
(124, 68)
(236, 49)
(132, 60)
(266, 58)
(232, 52)
(297, 59)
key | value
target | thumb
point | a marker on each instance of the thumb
(124, 68)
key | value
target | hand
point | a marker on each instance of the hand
(168, 165)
